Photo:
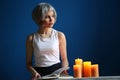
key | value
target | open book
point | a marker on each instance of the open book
(56, 74)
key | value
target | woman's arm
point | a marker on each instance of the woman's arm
(29, 54)
(63, 51)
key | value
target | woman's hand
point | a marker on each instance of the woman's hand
(35, 76)
(65, 72)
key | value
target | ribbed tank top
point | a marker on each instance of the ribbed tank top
(46, 50)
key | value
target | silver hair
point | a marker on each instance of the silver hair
(40, 11)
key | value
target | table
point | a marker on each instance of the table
(92, 78)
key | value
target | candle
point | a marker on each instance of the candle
(95, 70)
(77, 71)
(78, 61)
(87, 69)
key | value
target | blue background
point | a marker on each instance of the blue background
(92, 29)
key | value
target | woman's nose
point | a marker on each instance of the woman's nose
(50, 18)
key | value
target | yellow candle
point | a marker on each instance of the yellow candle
(87, 69)
(78, 61)
(77, 71)
(95, 70)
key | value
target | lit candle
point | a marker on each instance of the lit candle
(95, 70)
(78, 61)
(77, 71)
(87, 69)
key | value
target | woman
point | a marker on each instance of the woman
(47, 44)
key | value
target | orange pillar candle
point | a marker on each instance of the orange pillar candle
(77, 71)
(78, 61)
(95, 70)
(87, 69)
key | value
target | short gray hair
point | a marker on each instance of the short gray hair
(40, 11)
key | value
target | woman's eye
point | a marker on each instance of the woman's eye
(46, 16)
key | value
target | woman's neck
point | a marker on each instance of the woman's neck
(45, 32)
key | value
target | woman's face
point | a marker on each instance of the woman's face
(49, 19)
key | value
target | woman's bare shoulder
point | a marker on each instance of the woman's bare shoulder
(60, 34)
(30, 37)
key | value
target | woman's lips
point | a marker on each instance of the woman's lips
(50, 23)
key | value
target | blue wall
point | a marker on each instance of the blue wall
(92, 29)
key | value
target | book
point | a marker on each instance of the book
(56, 75)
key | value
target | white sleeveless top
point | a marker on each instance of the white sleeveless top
(46, 50)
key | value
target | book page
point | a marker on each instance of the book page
(55, 74)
